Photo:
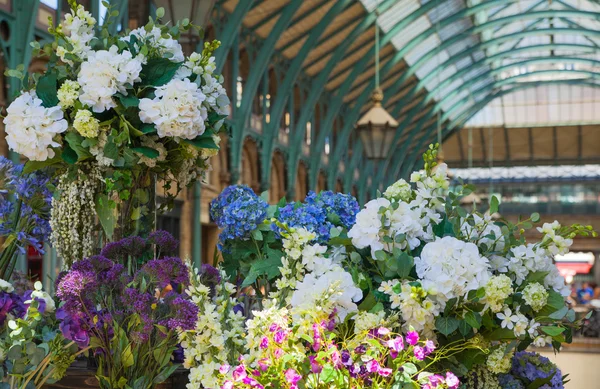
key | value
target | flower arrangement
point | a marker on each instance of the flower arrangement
(531, 370)
(112, 115)
(130, 322)
(24, 213)
(414, 256)
(33, 351)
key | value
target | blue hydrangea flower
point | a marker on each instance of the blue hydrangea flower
(320, 212)
(237, 211)
(528, 366)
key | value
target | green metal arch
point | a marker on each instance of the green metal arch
(230, 31)
(472, 110)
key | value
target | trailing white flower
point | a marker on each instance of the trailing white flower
(481, 232)
(105, 73)
(216, 95)
(86, 124)
(30, 127)
(68, 93)
(331, 292)
(497, 289)
(78, 29)
(165, 47)
(432, 188)
(451, 268)
(535, 295)
(176, 110)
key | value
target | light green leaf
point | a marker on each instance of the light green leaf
(446, 325)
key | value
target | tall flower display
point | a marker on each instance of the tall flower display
(113, 115)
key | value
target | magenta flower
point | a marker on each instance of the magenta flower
(239, 373)
(224, 369)
(452, 380)
(274, 327)
(412, 337)
(372, 366)
(292, 377)
(419, 353)
(316, 338)
(280, 337)
(384, 371)
(314, 365)
(264, 364)
(264, 342)
(396, 345)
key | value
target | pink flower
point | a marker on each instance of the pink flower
(372, 366)
(278, 353)
(336, 358)
(452, 380)
(316, 337)
(239, 373)
(429, 347)
(224, 369)
(314, 365)
(412, 337)
(264, 342)
(292, 376)
(396, 345)
(280, 337)
(274, 327)
(263, 364)
(383, 331)
(419, 353)
(227, 385)
(384, 372)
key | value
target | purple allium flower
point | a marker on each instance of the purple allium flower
(165, 243)
(113, 250)
(163, 272)
(412, 337)
(75, 284)
(186, 314)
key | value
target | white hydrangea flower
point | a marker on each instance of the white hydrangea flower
(68, 93)
(366, 230)
(30, 127)
(6, 286)
(451, 268)
(166, 47)
(86, 124)
(535, 295)
(365, 321)
(176, 110)
(499, 361)
(481, 232)
(400, 190)
(106, 73)
(331, 291)
(78, 28)
(497, 289)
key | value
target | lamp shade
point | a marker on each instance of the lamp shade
(376, 128)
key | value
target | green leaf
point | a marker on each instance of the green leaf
(257, 235)
(69, 155)
(535, 217)
(405, 265)
(75, 142)
(494, 204)
(204, 141)
(474, 319)
(464, 328)
(410, 368)
(502, 333)
(268, 266)
(560, 314)
(111, 150)
(128, 101)
(552, 331)
(449, 305)
(147, 128)
(446, 325)
(106, 214)
(537, 276)
(165, 373)
(46, 90)
(147, 151)
(159, 71)
(539, 382)
(31, 166)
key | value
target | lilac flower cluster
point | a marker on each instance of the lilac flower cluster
(26, 215)
(98, 292)
(237, 211)
(320, 212)
(528, 367)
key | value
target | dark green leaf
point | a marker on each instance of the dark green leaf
(268, 266)
(405, 265)
(539, 382)
(446, 325)
(46, 90)
(464, 328)
(204, 141)
(474, 319)
(129, 101)
(69, 155)
(147, 151)
(147, 128)
(75, 140)
(502, 334)
(159, 71)
(31, 166)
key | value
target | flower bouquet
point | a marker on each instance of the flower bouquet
(25, 201)
(112, 115)
(129, 322)
(33, 351)
(413, 260)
